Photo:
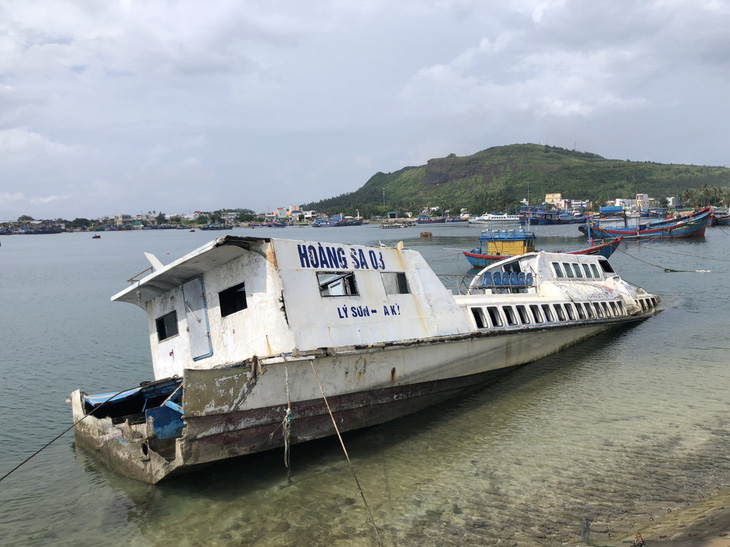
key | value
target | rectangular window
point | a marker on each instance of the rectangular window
(576, 269)
(595, 271)
(337, 283)
(524, 316)
(395, 283)
(232, 299)
(614, 310)
(535, 309)
(599, 311)
(589, 311)
(509, 313)
(548, 313)
(587, 270)
(571, 313)
(478, 314)
(581, 311)
(559, 312)
(494, 316)
(558, 269)
(605, 309)
(568, 269)
(166, 325)
(606, 266)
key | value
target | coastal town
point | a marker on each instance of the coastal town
(554, 206)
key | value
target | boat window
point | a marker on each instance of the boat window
(568, 269)
(337, 283)
(548, 313)
(494, 316)
(232, 299)
(587, 270)
(395, 283)
(478, 314)
(580, 310)
(509, 313)
(524, 316)
(571, 313)
(559, 312)
(599, 311)
(558, 269)
(535, 309)
(621, 309)
(576, 269)
(589, 311)
(605, 309)
(166, 325)
(606, 266)
(614, 310)
(595, 271)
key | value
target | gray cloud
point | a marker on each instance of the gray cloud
(132, 106)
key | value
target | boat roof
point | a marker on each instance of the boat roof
(201, 260)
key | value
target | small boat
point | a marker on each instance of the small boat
(494, 219)
(604, 248)
(506, 236)
(96, 236)
(258, 343)
(692, 226)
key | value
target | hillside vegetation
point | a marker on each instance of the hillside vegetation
(498, 178)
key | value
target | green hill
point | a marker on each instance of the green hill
(497, 178)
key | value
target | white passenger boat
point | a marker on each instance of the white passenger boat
(249, 334)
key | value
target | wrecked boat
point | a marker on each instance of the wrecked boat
(248, 336)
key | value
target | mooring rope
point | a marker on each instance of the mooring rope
(342, 443)
(667, 270)
(49, 443)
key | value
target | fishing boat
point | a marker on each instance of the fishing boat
(259, 343)
(604, 248)
(506, 236)
(691, 226)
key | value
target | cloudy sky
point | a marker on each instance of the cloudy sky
(176, 106)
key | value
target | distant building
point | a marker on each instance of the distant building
(554, 199)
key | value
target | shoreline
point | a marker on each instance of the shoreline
(705, 522)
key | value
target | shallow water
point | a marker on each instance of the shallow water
(599, 438)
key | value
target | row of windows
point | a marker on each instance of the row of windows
(343, 283)
(512, 315)
(232, 300)
(575, 270)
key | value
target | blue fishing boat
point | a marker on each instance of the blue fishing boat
(692, 226)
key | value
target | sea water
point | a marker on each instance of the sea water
(585, 445)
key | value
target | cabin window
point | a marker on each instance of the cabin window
(166, 325)
(395, 283)
(233, 299)
(589, 311)
(568, 269)
(524, 316)
(595, 271)
(494, 316)
(606, 266)
(587, 270)
(571, 313)
(548, 313)
(599, 311)
(576, 269)
(614, 310)
(605, 309)
(478, 314)
(535, 309)
(509, 313)
(621, 309)
(558, 269)
(337, 283)
(559, 312)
